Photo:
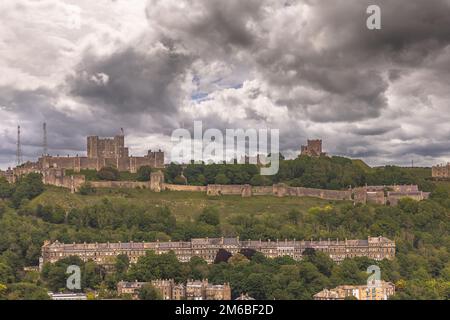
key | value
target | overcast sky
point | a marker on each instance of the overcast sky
(310, 68)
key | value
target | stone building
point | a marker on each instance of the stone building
(376, 248)
(441, 171)
(8, 175)
(129, 288)
(106, 147)
(313, 148)
(218, 292)
(378, 290)
(388, 195)
(101, 152)
(192, 290)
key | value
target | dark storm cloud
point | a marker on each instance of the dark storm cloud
(366, 93)
(425, 149)
(373, 131)
(131, 82)
(222, 26)
(66, 131)
(349, 67)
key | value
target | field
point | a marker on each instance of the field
(184, 205)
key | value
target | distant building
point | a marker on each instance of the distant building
(244, 296)
(378, 290)
(312, 149)
(192, 290)
(129, 288)
(67, 296)
(106, 147)
(441, 171)
(8, 175)
(391, 195)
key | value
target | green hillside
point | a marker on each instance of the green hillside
(184, 205)
(362, 165)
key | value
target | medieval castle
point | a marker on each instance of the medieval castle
(101, 152)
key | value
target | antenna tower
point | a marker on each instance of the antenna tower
(19, 148)
(44, 142)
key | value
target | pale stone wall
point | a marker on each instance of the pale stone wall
(395, 197)
(369, 194)
(120, 184)
(262, 190)
(282, 190)
(180, 187)
(57, 177)
(219, 189)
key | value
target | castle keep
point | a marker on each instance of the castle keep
(101, 152)
(376, 248)
(313, 148)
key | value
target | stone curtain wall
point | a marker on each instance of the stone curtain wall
(177, 187)
(370, 194)
(120, 184)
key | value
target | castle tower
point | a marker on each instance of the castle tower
(313, 148)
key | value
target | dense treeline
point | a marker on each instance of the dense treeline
(25, 188)
(112, 174)
(421, 269)
(323, 172)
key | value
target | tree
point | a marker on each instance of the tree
(179, 180)
(293, 216)
(28, 187)
(109, 174)
(221, 178)
(6, 189)
(86, 189)
(173, 170)
(143, 173)
(92, 275)
(149, 292)
(6, 273)
(122, 264)
(154, 266)
(238, 259)
(26, 291)
(259, 180)
(209, 216)
(222, 256)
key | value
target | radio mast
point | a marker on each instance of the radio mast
(44, 142)
(19, 148)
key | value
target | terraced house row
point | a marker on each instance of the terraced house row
(377, 248)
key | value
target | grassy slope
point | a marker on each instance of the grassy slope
(182, 204)
(365, 167)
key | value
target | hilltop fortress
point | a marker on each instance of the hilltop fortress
(111, 152)
(101, 152)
